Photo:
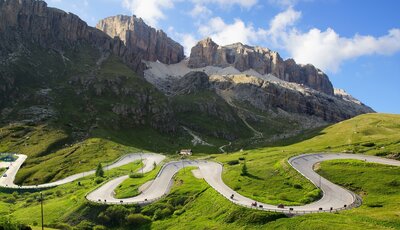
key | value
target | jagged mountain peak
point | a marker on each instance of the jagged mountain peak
(262, 60)
(155, 45)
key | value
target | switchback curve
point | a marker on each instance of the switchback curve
(334, 197)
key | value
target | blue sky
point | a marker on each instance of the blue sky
(356, 42)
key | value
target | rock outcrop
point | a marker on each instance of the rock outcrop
(262, 60)
(31, 21)
(191, 83)
(266, 96)
(141, 38)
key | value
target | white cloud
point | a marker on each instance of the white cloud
(284, 3)
(200, 10)
(281, 22)
(150, 10)
(326, 50)
(188, 41)
(242, 3)
(225, 34)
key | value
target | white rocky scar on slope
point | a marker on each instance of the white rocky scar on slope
(196, 139)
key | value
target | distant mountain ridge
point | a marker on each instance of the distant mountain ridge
(262, 60)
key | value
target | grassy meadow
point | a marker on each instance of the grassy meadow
(270, 179)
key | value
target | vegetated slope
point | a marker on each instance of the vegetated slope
(374, 134)
(269, 178)
(60, 102)
(377, 184)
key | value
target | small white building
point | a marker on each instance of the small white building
(186, 152)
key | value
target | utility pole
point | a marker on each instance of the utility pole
(141, 158)
(183, 165)
(41, 205)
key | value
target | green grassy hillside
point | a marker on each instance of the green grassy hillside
(270, 179)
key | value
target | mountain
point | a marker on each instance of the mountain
(56, 68)
(262, 60)
(141, 38)
(127, 77)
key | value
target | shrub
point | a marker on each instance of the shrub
(394, 183)
(162, 213)
(116, 213)
(103, 218)
(136, 175)
(59, 193)
(99, 227)
(368, 144)
(242, 158)
(375, 205)
(244, 169)
(99, 170)
(85, 225)
(10, 200)
(233, 162)
(98, 180)
(137, 219)
(262, 217)
(297, 186)
(151, 209)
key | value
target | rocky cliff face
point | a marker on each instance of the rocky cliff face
(267, 96)
(25, 21)
(141, 38)
(46, 48)
(262, 60)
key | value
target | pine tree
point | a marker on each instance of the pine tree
(99, 170)
(244, 169)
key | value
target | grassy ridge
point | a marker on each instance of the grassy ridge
(271, 178)
(377, 184)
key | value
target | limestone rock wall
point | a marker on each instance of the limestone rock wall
(141, 38)
(262, 60)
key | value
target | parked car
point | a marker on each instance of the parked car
(4, 175)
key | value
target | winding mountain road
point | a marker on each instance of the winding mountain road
(8, 181)
(334, 197)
